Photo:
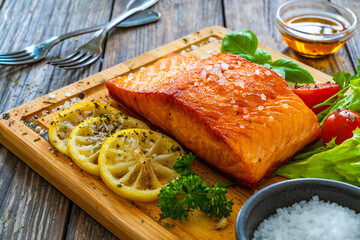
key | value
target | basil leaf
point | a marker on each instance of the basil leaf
(293, 71)
(243, 43)
(262, 57)
(279, 71)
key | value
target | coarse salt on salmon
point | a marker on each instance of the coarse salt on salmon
(238, 116)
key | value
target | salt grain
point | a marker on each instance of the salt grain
(196, 84)
(209, 51)
(257, 71)
(260, 108)
(193, 47)
(67, 94)
(52, 95)
(314, 219)
(285, 105)
(205, 57)
(142, 69)
(209, 67)
(263, 97)
(203, 75)
(212, 39)
(182, 52)
(267, 72)
(224, 66)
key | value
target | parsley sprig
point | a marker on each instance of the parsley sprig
(189, 192)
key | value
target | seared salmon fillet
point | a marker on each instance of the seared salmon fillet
(238, 116)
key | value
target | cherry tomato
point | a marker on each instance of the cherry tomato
(317, 93)
(340, 124)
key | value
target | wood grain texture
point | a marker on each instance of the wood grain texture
(125, 219)
(30, 207)
(352, 45)
(179, 18)
(23, 23)
(259, 17)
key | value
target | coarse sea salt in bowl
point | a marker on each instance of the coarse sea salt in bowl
(302, 209)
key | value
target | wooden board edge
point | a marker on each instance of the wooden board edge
(95, 81)
(122, 68)
(150, 229)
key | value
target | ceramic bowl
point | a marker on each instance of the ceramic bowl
(264, 203)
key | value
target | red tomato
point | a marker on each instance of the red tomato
(317, 93)
(340, 124)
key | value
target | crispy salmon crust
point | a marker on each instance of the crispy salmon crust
(238, 116)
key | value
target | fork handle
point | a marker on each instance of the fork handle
(140, 18)
(133, 7)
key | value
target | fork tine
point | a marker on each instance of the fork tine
(84, 64)
(77, 62)
(4, 56)
(16, 59)
(64, 59)
(20, 63)
(12, 53)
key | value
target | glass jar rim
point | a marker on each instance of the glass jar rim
(285, 26)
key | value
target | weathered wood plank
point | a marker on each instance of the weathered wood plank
(259, 16)
(30, 207)
(179, 18)
(353, 44)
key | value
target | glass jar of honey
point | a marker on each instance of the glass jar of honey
(315, 28)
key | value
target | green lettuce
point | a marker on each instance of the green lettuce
(340, 162)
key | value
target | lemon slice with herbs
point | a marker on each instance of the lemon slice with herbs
(137, 163)
(87, 138)
(64, 122)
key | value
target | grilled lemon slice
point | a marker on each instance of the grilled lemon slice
(137, 163)
(64, 122)
(87, 138)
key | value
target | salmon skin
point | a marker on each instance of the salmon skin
(238, 116)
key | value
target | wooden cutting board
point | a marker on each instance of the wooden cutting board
(22, 130)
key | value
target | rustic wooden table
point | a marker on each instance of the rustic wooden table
(30, 207)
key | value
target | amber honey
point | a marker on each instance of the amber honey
(315, 28)
(310, 34)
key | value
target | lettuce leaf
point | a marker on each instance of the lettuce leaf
(341, 163)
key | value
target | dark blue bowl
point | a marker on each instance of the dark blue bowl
(264, 203)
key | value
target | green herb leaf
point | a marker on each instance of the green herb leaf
(339, 100)
(217, 204)
(342, 79)
(351, 101)
(341, 163)
(262, 57)
(293, 71)
(189, 192)
(243, 43)
(183, 164)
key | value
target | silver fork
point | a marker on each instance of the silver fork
(91, 51)
(39, 51)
